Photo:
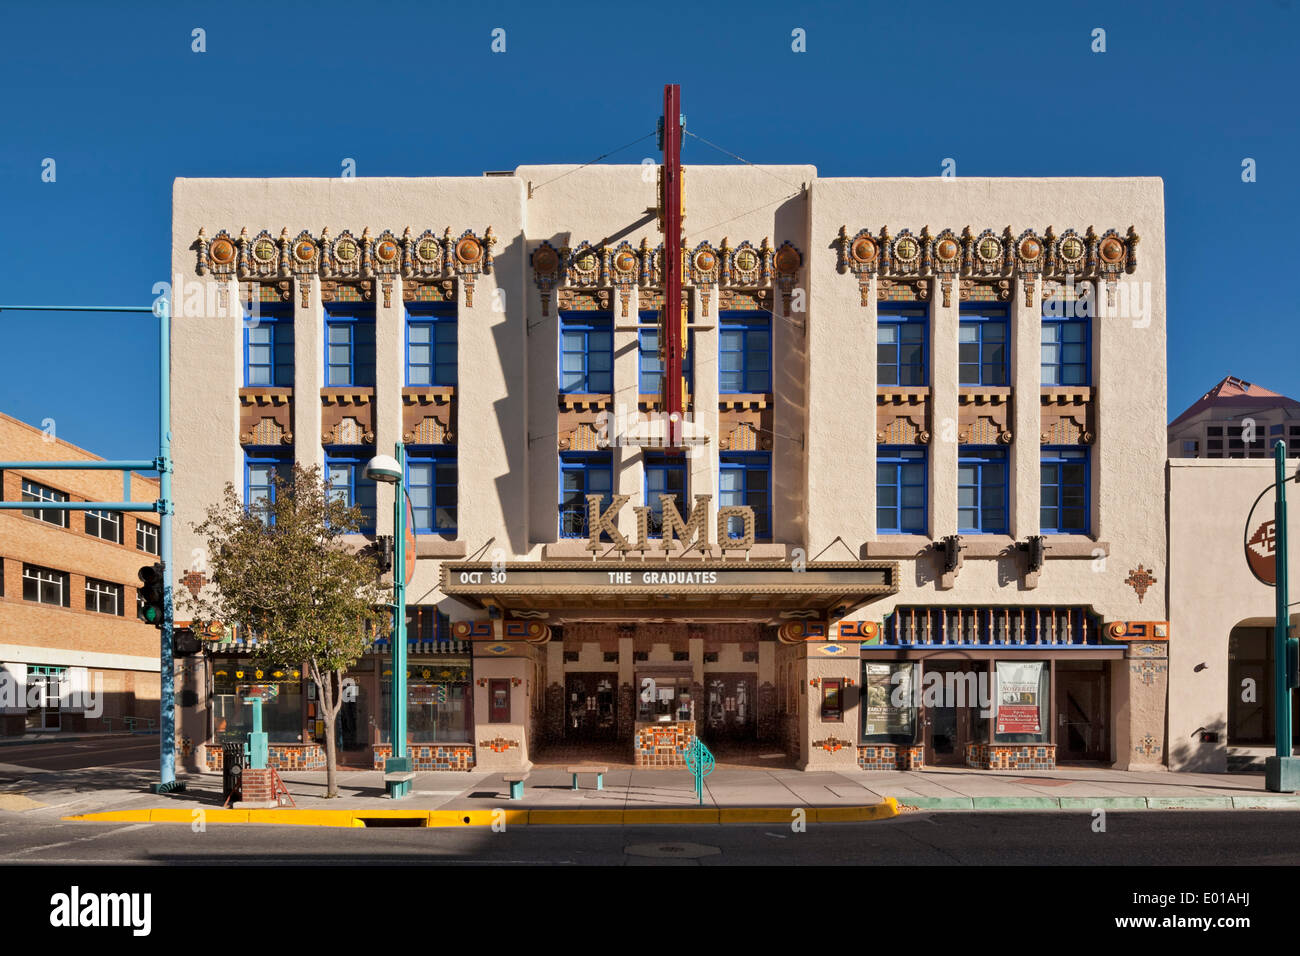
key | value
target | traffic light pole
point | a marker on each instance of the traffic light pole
(163, 506)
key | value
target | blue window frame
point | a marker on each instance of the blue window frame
(745, 478)
(651, 366)
(344, 468)
(982, 490)
(268, 348)
(982, 345)
(901, 339)
(1063, 508)
(900, 490)
(586, 352)
(744, 352)
(350, 344)
(261, 467)
(664, 475)
(431, 483)
(431, 345)
(582, 474)
(1066, 346)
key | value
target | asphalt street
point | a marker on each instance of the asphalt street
(1054, 839)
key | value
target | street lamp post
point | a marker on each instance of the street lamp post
(392, 471)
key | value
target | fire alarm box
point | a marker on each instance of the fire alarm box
(499, 700)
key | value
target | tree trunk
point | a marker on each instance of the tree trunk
(331, 758)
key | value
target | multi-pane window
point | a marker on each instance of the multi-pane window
(586, 352)
(664, 475)
(345, 468)
(350, 345)
(900, 490)
(34, 492)
(268, 349)
(745, 478)
(1065, 352)
(900, 346)
(260, 472)
(982, 490)
(105, 524)
(744, 352)
(431, 345)
(431, 483)
(45, 586)
(146, 537)
(651, 363)
(982, 345)
(1064, 504)
(103, 597)
(583, 474)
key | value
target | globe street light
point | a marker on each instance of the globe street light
(391, 471)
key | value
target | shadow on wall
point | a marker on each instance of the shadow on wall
(790, 221)
(512, 409)
(1191, 755)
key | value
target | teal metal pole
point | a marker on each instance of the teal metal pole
(1282, 690)
(399, 613)
(167, 667)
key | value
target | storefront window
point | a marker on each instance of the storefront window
(1020, 697)
(282, 714)
(439, 702)
(889, 702)
(664, 698)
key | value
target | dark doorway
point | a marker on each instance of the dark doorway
(729, 708)
(952, 711)
(1082, 714)
(590, 707)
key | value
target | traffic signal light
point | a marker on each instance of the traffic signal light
(185, 643)
(151, 594)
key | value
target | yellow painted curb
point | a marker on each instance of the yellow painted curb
(483, 818)
(879, 811)
(684, 815)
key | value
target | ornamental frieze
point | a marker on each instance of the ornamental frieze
(705, 267)
(984, 263)
(425, 258)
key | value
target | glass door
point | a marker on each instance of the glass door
(591, 703)
(951, 712)
(1082, 724)
(43, 695)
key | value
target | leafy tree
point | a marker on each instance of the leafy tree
(282, 571)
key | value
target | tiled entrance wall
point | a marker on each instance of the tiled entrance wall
(663, 747)
(278, 757)
(430, 756)
(891, 757)
(1011, 756)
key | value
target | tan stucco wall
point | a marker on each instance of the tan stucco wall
(1211, 591)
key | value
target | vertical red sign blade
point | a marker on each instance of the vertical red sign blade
(672, 324)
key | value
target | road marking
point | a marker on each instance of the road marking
(51, 846)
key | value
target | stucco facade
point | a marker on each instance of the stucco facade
(807, 266)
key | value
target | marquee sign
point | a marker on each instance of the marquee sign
(693, 531)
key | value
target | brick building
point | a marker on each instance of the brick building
(70, 640)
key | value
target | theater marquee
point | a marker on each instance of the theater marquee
(701, 587)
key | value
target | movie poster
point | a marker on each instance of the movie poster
(883, 691)
(1018, 697)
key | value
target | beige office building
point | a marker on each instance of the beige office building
(923, 483)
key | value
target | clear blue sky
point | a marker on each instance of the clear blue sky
(1184, 91)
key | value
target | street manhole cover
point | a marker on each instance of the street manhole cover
(677, 851)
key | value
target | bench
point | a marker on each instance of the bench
(398, 770)
(516, 781)
(598, 771)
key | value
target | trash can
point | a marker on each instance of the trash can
(232, 773)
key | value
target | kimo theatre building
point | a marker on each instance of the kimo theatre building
(635, 655)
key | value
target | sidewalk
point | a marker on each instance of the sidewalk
(457, 797)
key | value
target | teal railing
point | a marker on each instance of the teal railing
(699, 761)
